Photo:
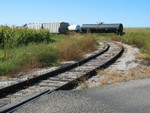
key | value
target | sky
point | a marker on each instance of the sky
(131, 13)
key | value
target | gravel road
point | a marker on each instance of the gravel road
(126, 97)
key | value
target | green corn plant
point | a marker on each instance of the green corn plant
(5, 49)
(6, 33)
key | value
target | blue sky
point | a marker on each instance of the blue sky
(132, 13)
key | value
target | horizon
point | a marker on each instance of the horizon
(133, 13)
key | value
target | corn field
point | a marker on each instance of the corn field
(13, 37)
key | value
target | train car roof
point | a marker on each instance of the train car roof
(102, 25)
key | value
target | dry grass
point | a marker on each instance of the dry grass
(145, 58)
(75, 46)
(107, 76)
(69, 50)
(140, 72)
(82, 83)
(132, 74)
(87, 43)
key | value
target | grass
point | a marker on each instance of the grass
(69, 50)
(74, 46)
(33, 55)
(132, 74)
(140, 40)
(139, 37)
(82, 83)
(145, 58)
(27, 57)
(137, 30)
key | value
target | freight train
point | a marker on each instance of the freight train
(64, 28)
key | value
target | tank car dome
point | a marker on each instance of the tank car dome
(74, 27)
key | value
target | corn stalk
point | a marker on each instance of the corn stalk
(5, 49)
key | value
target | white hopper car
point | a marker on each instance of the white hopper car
(61, 27)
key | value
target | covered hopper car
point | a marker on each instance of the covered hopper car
(59, 27)
(102, 28)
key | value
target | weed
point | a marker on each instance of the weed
(140, 40)
(33, 55)
(145, 58)
(82, 83)
(73, 47)
(132, 74)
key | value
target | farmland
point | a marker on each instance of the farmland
(136, 29)
(26, 49)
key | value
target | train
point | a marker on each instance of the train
(65, 28)
(102, 28)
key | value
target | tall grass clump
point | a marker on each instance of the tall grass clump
(74, 46)
(69, 50)
(28, 57)
(87, 43)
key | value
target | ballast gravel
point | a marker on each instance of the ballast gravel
(127, 60)
(123, 65)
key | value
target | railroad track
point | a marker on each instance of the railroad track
(12, 97)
